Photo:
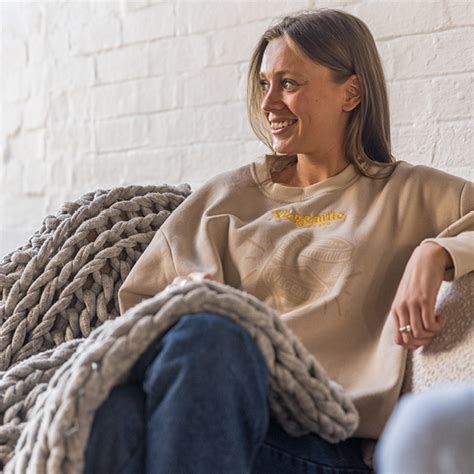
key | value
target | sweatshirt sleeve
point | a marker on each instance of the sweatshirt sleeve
(458, 237)
(152, 272)
(192, 239)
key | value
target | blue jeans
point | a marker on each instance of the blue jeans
(195, 402)
(430, 432)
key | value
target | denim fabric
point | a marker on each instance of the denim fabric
(430, 432)
(196, 402)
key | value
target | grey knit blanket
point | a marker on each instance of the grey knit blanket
(64, 348)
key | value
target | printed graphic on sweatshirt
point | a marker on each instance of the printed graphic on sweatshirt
(312, 220)
(300, 271)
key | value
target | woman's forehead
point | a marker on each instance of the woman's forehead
(278, 58)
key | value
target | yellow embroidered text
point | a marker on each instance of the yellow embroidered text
(312, 220)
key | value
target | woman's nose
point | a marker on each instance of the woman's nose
(271, 101)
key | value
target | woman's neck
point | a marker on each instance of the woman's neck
(299, 174)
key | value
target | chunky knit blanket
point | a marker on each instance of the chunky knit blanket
(63, 348)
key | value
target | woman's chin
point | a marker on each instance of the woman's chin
(284, 150)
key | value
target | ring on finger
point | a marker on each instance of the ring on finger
(406, 329)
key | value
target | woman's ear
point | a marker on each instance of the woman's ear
(353, 93)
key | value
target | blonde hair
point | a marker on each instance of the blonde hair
(344, 44)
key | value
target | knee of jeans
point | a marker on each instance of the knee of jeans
(219, 335)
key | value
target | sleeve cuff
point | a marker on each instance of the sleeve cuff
(461, 249)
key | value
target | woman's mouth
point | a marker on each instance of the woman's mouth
(281, 127)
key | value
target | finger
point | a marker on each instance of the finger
(179, 281)
(431, 322)
(200, 276)
(404, 320)
(196, 274)
(401, 318)
(172, 285)
(428, 342)
(421, 342)
(415, 343)
(417, 323)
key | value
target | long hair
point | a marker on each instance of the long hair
(343, 43)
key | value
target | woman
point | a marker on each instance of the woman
(341, 239)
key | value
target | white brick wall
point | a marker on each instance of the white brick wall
(99, 94)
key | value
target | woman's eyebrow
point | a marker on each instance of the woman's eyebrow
(280, 73)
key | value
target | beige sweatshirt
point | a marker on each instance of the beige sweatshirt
(328, 257)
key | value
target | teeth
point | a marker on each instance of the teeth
(277, 125)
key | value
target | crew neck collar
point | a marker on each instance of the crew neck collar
(261, 174)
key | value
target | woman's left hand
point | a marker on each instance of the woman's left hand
(415, 300)
(179, 280)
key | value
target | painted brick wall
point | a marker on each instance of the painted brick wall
(100, 94)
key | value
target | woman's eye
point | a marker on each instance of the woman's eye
(263, 84)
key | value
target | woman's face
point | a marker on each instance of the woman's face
(305, 93)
